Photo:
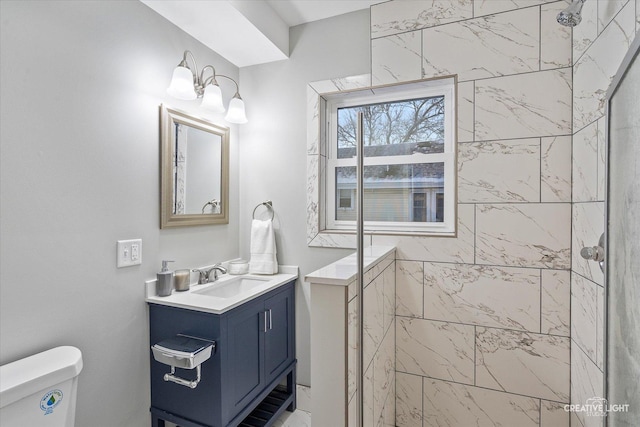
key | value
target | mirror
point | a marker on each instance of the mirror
(195, 170)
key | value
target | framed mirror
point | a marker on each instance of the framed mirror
(194, 161)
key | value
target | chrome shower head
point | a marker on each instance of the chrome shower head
(570, 17)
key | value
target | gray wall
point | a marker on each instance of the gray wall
(273, 144)
(81, 83)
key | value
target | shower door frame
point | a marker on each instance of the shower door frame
(631, 55)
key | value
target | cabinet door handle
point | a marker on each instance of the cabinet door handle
(270, 322)
(265, 320)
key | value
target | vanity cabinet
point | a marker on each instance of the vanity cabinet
(243, 383)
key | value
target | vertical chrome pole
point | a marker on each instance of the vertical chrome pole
(360, 274)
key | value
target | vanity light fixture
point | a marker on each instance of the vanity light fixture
(187, 84)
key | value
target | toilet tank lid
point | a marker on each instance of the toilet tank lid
(26, 376)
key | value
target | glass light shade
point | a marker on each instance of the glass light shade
(212, 99)
(181, 86)
(236, 112)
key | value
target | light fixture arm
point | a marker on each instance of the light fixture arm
(198, 77)
(189, 83)
(237, 95)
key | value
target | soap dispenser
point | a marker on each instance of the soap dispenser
(165, 280)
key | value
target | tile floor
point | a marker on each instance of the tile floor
(297, 418)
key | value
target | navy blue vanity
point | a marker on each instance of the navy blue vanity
(249, 379)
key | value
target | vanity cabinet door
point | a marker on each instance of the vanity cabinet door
(245, 337)
(279, 345)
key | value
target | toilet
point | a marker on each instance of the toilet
(40, 390)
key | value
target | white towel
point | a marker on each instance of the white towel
(263, 248)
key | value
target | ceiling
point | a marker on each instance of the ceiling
(249, 32)
(296, 12)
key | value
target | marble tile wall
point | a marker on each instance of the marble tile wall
(495, 300)
(600, 43)
(483, 320)
(379, 383)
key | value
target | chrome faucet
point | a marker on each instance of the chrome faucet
(205, 275)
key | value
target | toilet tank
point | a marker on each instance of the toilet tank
(40, 390)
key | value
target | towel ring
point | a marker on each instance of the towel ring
(268, 204)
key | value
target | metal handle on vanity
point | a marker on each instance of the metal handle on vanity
(265, 320)
(270, 322)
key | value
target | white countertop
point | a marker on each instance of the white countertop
(344, 271)
(193, 299)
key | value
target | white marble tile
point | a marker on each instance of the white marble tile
(637, 16)
(484, 47)
(430, 248)
(388, 296)
(373, 318)
(587, 225)
(487, 7)
(409, 288)
(499, 171)
(352, 347)
(367, 397)
(465, 111)
(587, 382)
(585, 164)
(374, 271)
(607, 10)
(384, 373)
(583, 314)
(593, 72)
(312, 196)
(555, 169)
(396, 58)
(402, 16)
(525, 105)
(303, 398)
(524, 235)
(313, 121)
(585, 33)
(359, 81)
(435, 349)
(524, 363)
(326, 239)
(408, 400)
(555, 39)
(552, 414)
(556, 300)
(482, 295)
(602, 158)
(458, 405)
(388, 417)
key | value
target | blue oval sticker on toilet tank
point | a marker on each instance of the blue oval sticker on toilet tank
(50, 401)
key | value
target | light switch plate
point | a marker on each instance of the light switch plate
(129, 253)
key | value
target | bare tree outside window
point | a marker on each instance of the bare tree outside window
(394, 128)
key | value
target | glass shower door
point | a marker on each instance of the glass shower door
(623, 246)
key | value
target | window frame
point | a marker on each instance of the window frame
(425, 89)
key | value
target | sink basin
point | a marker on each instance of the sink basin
(232, 287)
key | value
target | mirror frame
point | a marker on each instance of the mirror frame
(168, 118)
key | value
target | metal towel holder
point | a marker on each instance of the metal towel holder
(268, 204)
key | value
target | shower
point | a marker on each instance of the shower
(570, 17)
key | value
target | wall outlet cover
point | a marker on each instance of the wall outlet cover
(129, 252)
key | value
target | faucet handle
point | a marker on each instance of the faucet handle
(203, 275)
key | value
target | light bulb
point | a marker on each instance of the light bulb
(212, 99)
(236, 112)
(181, 86)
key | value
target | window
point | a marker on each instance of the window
(409, 158)
(345, 198)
